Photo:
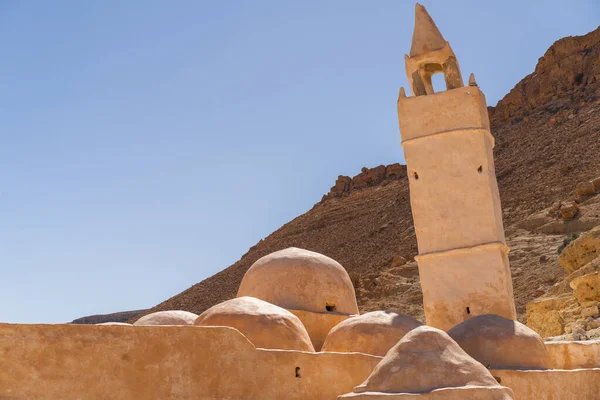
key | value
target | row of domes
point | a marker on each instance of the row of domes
(288, 298)
(495, 341)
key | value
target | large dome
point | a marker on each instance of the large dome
(298, 279)
(371, 333)
(265, 325)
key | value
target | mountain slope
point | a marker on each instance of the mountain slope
(123, 316)
(547, 132)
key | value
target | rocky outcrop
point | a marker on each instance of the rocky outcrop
(568, 72)
(581, 251)
(586, 288)
(368, 177)
(569, 310)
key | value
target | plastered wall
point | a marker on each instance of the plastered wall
(574, 355)
(120, 362)
(577, 384)
(78, 362)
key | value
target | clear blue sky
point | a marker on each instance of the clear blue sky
(148, 144)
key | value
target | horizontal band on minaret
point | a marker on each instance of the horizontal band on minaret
(461, 130)
(462, 250)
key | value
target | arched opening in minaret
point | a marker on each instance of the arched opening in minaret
(433, 78)
(438, 83)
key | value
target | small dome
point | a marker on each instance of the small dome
(501, 343)
(371, 333)
(265, 325)
(298, 279)
(172, 317)
(424, 360)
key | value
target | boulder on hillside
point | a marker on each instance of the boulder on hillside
(568, 210)
(581, 250)
(587, 287)
(584, 189)
(596, 183)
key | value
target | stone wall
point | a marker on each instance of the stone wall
(173, 362)
(68, 362)
(578, 384)
(574, 355)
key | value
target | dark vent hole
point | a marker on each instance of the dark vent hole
(480, 169)
(416, 176)
(330, 307)
(298, 372)
(468, 310)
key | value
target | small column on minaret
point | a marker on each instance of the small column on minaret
(448, 146)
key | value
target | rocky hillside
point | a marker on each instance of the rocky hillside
(547, 132)
(123, 316)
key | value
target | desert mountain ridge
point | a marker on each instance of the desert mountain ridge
(547, 131)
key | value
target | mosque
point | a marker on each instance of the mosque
(294, 330)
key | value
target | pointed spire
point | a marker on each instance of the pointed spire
(426, 36)
(402, 94)
(472, 80)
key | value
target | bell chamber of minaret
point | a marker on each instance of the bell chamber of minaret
(448, 146)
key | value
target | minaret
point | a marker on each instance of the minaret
(463, 262)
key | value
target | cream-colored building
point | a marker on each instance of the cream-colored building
(463, 263)
(295, 332)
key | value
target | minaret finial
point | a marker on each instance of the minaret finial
(472, 80)
(426, 37)
(402, 94)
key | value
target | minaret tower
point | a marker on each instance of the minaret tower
(463, 262)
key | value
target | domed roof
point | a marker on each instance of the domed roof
(171, 317)
(501, 343)
(371, 333)
(424, 360)
(298, 279)
(265, 325)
